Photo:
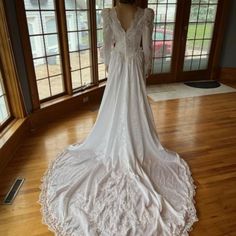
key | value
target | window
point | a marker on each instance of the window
(63, 45)
(5, 113)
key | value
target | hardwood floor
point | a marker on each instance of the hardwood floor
(201, 129)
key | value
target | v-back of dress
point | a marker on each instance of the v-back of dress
(120, 180)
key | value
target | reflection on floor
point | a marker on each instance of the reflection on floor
(160, 92)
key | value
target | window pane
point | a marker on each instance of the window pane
(50, 22)
(74, 60)
(209, 30)
(71, 20)
(101, 71)
(84, 40)
(203, 13)
(34, 22)
(200, 31)
(99, 38)
(204, 62)
(44, 40)
(76, 79)
(4, 107)
(43, 88)
(166, 65)
(86, 76)
(40, 67)
(54, 65)
(192, 27)
(82, 20)
(212, 12)
(73, 41)
(98, 19)
(46, 5)
(56, 83)
(187, 63)
(99, 4)
(85, 58)
(32, 5)
(1, 90)
(81, 4)
(194, 13)
(52, 45)
(107, 3)
(197, 47)
(157, 66)
(37, 46)
(70, 4)
(195, 63)
(206, 46)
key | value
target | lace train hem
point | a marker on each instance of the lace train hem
(192, 217)
(62, 229)
(48, 219)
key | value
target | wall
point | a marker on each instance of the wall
(228, 53)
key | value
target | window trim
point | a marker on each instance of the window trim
(8, 70)
(25, 42)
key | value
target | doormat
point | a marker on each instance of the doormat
(169, 91)
(203, 84)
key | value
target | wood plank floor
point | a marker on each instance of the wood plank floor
(201, 129)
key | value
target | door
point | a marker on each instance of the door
(182, 39)
(197, 40)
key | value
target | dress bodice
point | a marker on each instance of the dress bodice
(129, 41)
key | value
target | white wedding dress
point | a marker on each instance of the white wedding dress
(120, 180)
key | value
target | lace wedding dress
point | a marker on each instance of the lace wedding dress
(120, 180)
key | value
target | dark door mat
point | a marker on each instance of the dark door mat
(203, 84)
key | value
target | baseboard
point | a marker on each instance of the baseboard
(227, 74)
(11, 140)
(53, 111)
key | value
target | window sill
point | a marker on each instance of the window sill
(67, 97)
(10, 130)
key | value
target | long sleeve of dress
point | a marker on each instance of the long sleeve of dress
(107, 36)
(147, 38)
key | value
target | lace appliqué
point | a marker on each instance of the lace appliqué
(105, 13)
(115, 212)
(149, 17)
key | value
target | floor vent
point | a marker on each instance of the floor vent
(13, 191)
